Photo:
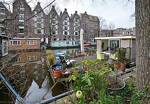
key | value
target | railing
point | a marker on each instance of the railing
(10, 88)
(56, 98)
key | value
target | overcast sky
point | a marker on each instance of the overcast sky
(117, 12)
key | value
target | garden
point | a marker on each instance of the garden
(98, 82)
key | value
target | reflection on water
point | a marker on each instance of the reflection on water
(69, 51)
(29, 76)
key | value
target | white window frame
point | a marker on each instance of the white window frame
(18, 42)
(30, 42)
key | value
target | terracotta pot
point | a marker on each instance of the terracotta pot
(117, 65)
(57, 73)
(122, 66)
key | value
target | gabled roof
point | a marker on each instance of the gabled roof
(20, 1)
(3, 6)
(90, 17)
(75, 14)
(53, 10)
(38, 7)
(65, 13)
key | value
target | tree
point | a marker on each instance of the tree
(142, 14)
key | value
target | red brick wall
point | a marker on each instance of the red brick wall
(24, 44)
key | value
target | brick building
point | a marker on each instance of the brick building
(91, 26)
(61, 29)
(106, 33)
(39, 21)
(118, 32)
(23, 26)
(24, 44)
(64, 30)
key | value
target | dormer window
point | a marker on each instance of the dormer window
(2, 11)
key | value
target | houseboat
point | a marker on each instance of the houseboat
(106, 45)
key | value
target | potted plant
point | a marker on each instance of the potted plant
(114, 56)
(115, 83)
(120, 59)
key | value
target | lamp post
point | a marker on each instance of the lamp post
(81, 40)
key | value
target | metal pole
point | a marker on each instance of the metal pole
(56, 97)
(10, 88)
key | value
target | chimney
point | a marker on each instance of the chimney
(53, 6)
(65, 10)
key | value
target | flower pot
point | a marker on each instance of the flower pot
(116, 83)
(117, 65)
(122, 67)
(57, 73)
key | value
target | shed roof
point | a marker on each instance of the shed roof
(119, 37)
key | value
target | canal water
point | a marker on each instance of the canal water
(29, 76)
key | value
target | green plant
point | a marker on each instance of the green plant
(92, 81)
(50, 59)
(121, 55)
(92, 86)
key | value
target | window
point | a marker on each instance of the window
(54, 39)
(66, 18)
(21, 16)
(67, 42)
(65, 28)
(19, 59)
(29, 58)
(53, 32)
(30, 42)
(38, 31)
(21, 30)
(15, 42)
(21, 9)
(53, 22)
(66, 33)
(76, 20)
(114, 44)
(39, 14)
(21, 23)
(75, 29)
(2, 10)
(65, 23)
(39, 25)
(76, 33)
(39, 20)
